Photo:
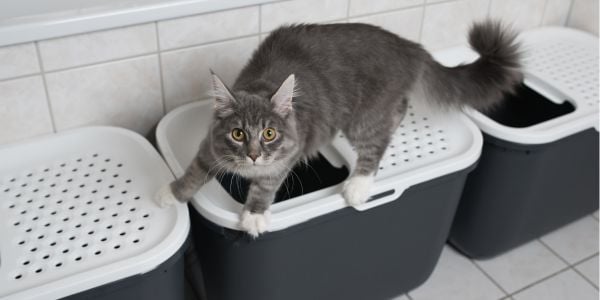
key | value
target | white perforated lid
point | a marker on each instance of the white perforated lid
(560, 64)
(427, 145)
(76, 212)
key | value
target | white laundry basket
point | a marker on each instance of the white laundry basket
(539, 165)
(78, 220)
(316, 246)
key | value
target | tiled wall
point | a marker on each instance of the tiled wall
(132, 76)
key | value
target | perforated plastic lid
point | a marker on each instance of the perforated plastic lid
(76, 212)
(559, 63)
(427, 145)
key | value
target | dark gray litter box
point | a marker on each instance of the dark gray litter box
(539, 165)
(79, 220)
(316, 247)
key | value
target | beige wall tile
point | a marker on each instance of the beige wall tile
(295, 11)
(208, 27)
(186, 72)
(405, 23)
(125, 93)
(98, 46)
(360, 7)
(584, 15)
(556, 12)
(23, 109)
(18, 60)
(520, 14)
(446, 24)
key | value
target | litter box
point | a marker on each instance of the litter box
(79, 220)
(316, 246)
(539, 165)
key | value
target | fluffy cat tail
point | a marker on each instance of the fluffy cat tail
(483, 83)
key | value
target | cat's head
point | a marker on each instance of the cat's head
(253, 135)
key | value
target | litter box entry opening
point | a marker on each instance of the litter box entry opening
(317, 174)
(526, 107)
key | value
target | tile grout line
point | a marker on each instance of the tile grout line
(566, 268)
(408, 296)
(571, 265)
(349, 2)
(393, 10)
(160, 71)
(543, 14)
(506, 293)
(211, 42)
(45, 84)
(260, 6)
(569, 13)
(419, 38)
(20, 76)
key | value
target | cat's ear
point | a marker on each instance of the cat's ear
(224, 101)
(282, 99)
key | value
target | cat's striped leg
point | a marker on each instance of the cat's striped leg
(185, 187)
(261, 193)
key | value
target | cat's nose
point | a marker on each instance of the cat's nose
(253, 156)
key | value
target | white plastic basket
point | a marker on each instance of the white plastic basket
(76, 212)
(427, 145)
(560, 64)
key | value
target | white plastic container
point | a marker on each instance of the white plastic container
(78, 219)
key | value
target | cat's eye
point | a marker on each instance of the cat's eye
(269, 134)
(237, 134)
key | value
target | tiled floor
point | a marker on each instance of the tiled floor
(562, 265)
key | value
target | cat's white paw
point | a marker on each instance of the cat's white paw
(255, 224)
(164, 197)
(356, 189)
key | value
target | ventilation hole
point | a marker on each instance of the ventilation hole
(16, 224)
(119, 165)
(59, 231)
(78, 258)
(77, 196)
(36, 190)
(127, 221)
(89, 202)
(136, 198)
(33, 249)
(65, 190)
(98, 252)
(109, 227)
(19, 276)
(79, 160)
(111, 186)
(39, 270)
(128, 181)
(41, 207)
(29, 175)
(101, 208)
(41, 180)
(117, 246)
(107, 160)
(122, 234)
(12, 206)
(393, 164)
(13, 179)
(40, 237)
(136, 241)
(141, 228)
(82, 185)
(95, 155)
(57, 175)
(7, 190)
(146, 215)
(70, 180)
(116, 175)
(71, 238)
(132, 209)
(103, 170)
(58, 265)
(104, 239)
(30, 201)
(21, 242)
(18, 195)
(78, 226)
(84, 245)
(96, 220)
(99, 180)
(59, 202)
(124, 192)
(83, 214)
(74, 170)
(53, 244)
(25, 262)
(28, 230)
(94, 191)
(24, 185)
(90, 232)
(120, 203)
(66, 219)
(114, 215)
(90, 165)
(71, 207)
(46, 256)
(65, 251)
(107, 197)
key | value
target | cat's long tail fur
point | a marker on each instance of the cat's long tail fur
(480, 84)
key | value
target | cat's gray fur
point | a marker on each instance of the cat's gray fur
(356, 78)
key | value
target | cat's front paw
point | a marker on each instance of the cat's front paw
(255, 223)
(164, 197)
(356, 189)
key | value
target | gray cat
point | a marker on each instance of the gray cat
(307, 82)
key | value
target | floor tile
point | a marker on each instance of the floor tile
(455, 277)
(522, 266)
(575, 241)
(564, 286)
(589, 269)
